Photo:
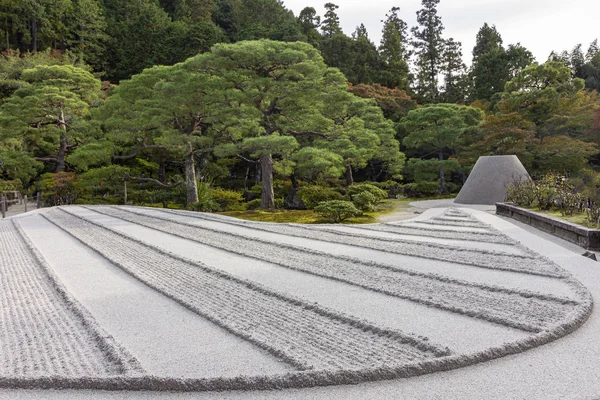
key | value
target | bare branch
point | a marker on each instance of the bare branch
(155, 181)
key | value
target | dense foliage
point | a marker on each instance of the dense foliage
(233, 104)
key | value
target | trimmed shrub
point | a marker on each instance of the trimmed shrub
(365, 201)
(378, 194)
(59, 189)
(253, 204)
(337, 210)
(228, 200)
(6, 186)
(421, 189)
(205, 200)
(312, 195)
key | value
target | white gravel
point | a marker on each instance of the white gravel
(527, 311)
(44, 331)
(166, 338)
(332, 345)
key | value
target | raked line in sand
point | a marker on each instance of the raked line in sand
(332, 363)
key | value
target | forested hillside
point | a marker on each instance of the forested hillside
(224, 104)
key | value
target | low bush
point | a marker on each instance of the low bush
(253, 204)
(421, 189)
(228, 200)
(378, 194)
(365, 201)
(6, 186)
(59, 189)
(205, 203)
(337, 210)
(522, 193)
(554, 191)
(312, 195)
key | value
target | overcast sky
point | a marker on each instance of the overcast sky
(540, 25)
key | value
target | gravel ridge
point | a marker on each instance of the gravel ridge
(527, 264)
(305, 379)
(343, 237)
(532, 312)
(305, 335)
(435, 233)
(56, 335)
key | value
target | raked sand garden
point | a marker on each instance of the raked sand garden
(131, 302)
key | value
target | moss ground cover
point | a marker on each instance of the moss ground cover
(310, 217)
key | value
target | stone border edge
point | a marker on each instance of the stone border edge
(587, 238)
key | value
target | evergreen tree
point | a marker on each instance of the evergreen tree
(263, 19)
(454, 72)
(331, 22)
(293, 101)
(393, 51)
(364, 58)
(517, 59)
(309, 24)
(488, 39)
(493, 65)
(577, 61)
(437, 128)
(592, 51)
(429, 47)
(50, 115)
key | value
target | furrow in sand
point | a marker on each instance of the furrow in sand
(305, 335)
(448, 222)
(45, 332)
(518, 309)
(435, 233)
(528, 264)
(301, 231)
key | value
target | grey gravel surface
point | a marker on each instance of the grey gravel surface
(43, 330)
(480, 258)
(527, 311)
(303, 335)
(577, 300)
(165, 337)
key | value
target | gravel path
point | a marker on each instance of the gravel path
(54, 335)
(527, 311)
(304, 335)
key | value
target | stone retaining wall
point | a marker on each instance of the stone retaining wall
(584, 237)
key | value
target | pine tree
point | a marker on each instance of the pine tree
(309, 23)
(364, 57)
(577, 61)
(593, 49)
(393, 51)
(331, 21)
(454, 71)
(488, 38)
(429, 47)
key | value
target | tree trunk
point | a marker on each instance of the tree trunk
(34, 35)
(349, 177)
(191, 184)
(442, 174)
(162, 170)
(267, 200)
(257, 178)
(62, 152)
(62, 149)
